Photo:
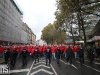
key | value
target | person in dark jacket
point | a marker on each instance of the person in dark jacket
(36, 54)
(90, 54)
(7, 55)
(48, 55)
(24, 54)
(97, 50)
(13, 57)
(58, 53)
(69, 54)
(81, 54)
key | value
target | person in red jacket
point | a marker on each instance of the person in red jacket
(32, 51)
(1, 51)
(53, 52)
(75, 51)
(20, 49)
(40, 50)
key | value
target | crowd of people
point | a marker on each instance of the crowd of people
(48, 51)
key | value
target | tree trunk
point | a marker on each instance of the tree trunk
(72, 35)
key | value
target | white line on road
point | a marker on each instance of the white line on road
(53, 69)
(35, 72)
(20, 70)
(30, 68)
(40, 66)
(43, 70)
(47, 71)
(74, 66)
(64, 62)
(87, 60)
(96, 59)
(89, 67)
(69, 64)
(40, 63)
(97, 63)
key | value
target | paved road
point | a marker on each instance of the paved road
(53, 69)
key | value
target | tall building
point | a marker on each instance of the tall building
(90, 18)
(10, 22)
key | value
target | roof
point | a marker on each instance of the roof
(12, 1)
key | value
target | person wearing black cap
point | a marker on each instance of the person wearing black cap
(58, 53)
(24, 54)
(13, 57)
(36, 54)
(6, 55)
(48, 55)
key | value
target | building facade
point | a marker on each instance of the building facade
(12, 28)
(91, 19)
(10, 22)
(31, 37)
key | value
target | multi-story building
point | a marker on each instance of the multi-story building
(31, 37)
(92, 19)
(12, 28)
(10, 22)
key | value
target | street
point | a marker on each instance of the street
(65, 68)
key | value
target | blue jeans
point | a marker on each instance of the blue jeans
(75, 54)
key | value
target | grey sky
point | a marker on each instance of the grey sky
(37, 13)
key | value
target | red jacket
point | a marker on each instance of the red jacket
(44, 48)
(75, 48)
(20, 48)
(53, 49)
(32, 49)
(1, 49)
(40, 48)
(72, 47)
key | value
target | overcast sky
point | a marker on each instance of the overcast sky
(37, 14)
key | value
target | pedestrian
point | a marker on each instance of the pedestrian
(97, 51)
(7, 55)
(53, 50)
(69, 54)
(58, 53)
(48, 55)
(13, 57)
(81, 54)
(24, 54)
(36, 54)
(90, 54)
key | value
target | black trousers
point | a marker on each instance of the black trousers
(36, 57)
(13, 61)
(58, 59)
(48, 59)
(69, 59)
(81, 58)
(6, 59)
(24, 61)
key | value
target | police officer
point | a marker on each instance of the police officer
(13, 57)
(58, 53)
(81, 54)
(36, 54)
(24, 54)
(48, 55)
(69, 54)
(6, 55)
